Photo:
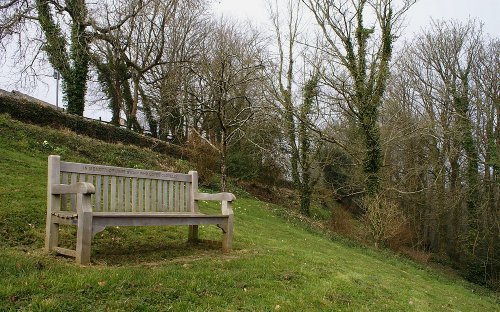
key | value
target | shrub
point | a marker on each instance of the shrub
(386, 223)
(205, 158)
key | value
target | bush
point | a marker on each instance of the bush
(205, 159)
(387, 225)
(250, 163)
(35, 113)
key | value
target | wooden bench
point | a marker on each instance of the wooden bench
(93, 197)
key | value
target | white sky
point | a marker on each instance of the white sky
(488, 11)
(420, 14)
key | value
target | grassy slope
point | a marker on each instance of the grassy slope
(275, 265)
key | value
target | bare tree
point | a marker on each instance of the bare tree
(228, 94)
(358, 65)
(139, 42)
(296, 102)
(286, 43)
(448, 75)
(169, 84)
(113, 76)
(68, 28)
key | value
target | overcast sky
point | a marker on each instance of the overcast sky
(419, 16)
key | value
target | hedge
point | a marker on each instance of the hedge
(32, 112)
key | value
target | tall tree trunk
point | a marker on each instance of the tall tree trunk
(306, 183)
(367, 65)
(223, 164)
(72, 66)
(468, 143)
(111, 75)
(373, 153)
(116, 101)
(152, 122)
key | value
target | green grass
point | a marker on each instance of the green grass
(276, 264)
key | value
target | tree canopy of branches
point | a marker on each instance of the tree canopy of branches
(69, 27)
(359, 51)
(444, 95)
(295, 102)
(228, 76)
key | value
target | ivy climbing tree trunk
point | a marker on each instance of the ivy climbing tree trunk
(359, 57)
(295, 115)
(72, 62)
(112, 74)
(286, 40)
(464, 124)
(307, 182)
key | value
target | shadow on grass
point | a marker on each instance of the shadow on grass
(145, 253)
(149, 246)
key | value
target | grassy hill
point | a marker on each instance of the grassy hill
(276, 264)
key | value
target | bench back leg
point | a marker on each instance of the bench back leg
(84, 231)
(193, 234)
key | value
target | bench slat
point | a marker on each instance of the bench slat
(187, 194)
(105, 193)
(73, 197)
(153, 195)
(123, 172)
(177, 196)
(113, 194)
(98, 193)
(147, 189)
(82, 178)
(120, 194)
(64, 198)
(134, 194)
(165, 196)
(141, 194)
(90, 179)
(127, 194)
(170, 196)
(159, 193)
(181, 196)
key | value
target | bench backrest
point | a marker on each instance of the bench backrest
(127, 190)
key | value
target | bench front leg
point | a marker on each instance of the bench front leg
(53, 203)
(227, 239)
(227, 228)
(84, 231)
(51, 228)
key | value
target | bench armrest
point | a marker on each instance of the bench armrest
(75, 188)
(224, 198)
(219, 196)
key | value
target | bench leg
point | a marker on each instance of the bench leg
(227, 238)
(193, 233)
(84, 231)
(51, 234)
